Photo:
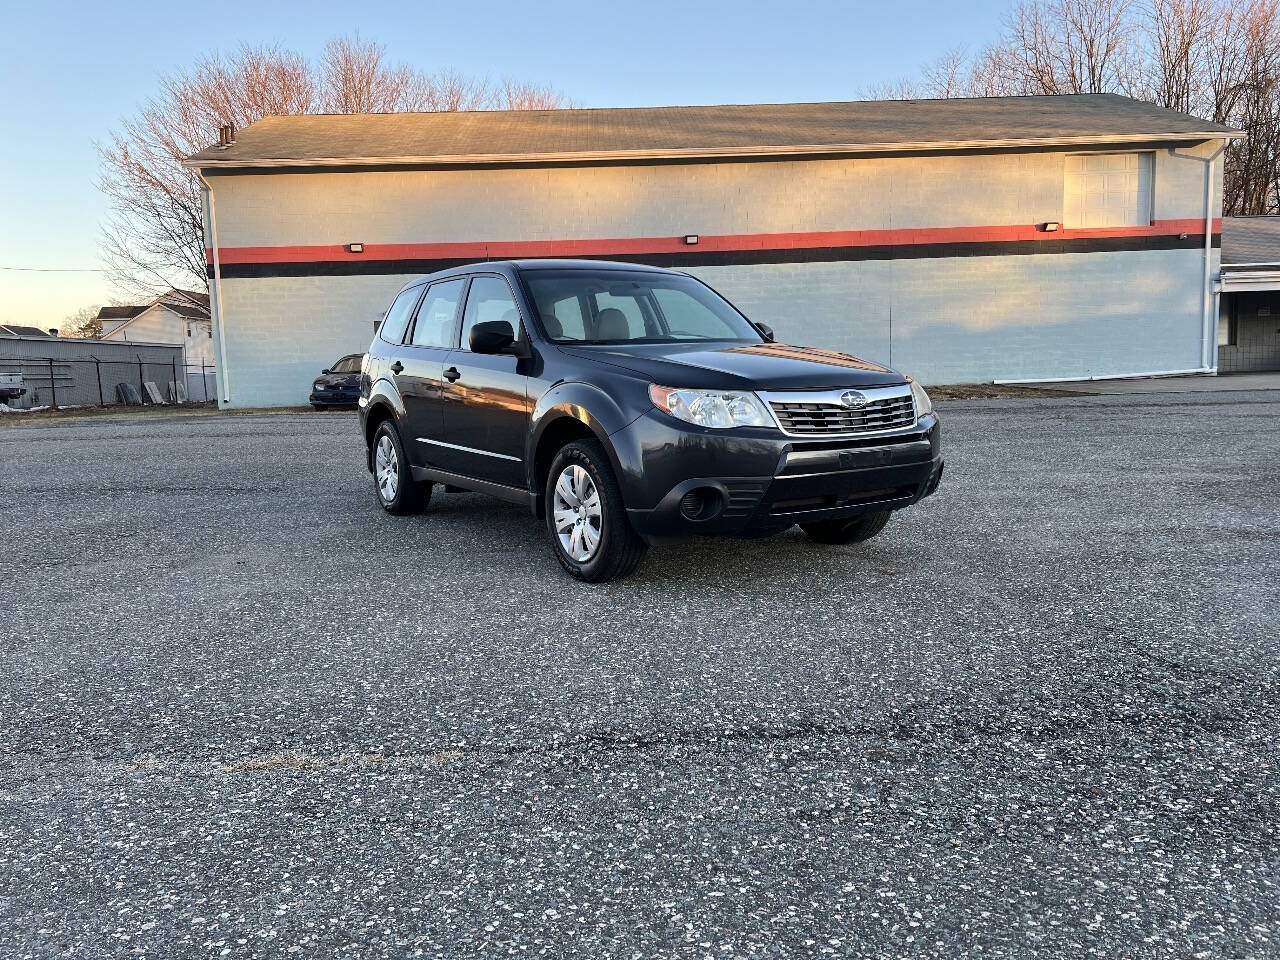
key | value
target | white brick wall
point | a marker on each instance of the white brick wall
(282, 331)
(972, 318)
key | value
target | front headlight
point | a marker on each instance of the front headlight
(318, 385)
(719, 409)
(923, 404)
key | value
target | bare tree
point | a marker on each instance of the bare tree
(904, 88)
(1069, 46)
(83, 324)
(153, 238)
(948, 76)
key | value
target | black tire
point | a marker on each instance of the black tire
(318, 406)
(619, 549)
(405, 495)
(860, 528)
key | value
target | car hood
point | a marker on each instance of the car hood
(339, 379)
(760, 366)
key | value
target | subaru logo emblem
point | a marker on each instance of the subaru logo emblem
(852, 398)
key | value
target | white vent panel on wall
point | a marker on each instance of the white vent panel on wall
(1107, 190)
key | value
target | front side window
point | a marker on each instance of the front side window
(489, 299)
(434, 326)
(397, 318)
(617, 306)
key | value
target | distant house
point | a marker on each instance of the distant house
(12, 330)
(179, 316)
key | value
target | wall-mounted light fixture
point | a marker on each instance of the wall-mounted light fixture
(355, 248)
(691, 238)
(1051, 226)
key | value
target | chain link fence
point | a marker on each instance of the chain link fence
(28, 383)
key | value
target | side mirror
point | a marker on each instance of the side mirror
(326, 370)
(766, 331)
(492, 336)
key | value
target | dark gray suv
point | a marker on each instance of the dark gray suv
(628, 406)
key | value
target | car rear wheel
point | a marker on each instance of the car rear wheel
(860, 528)
(393, 479)
(589, 529)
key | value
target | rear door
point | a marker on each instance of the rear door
(485, 396)
(422, 358)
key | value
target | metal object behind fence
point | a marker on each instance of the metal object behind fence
(67, 382)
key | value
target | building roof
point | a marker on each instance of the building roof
(1250, 241)
(762, 129)
(189, 304)
(121, 313)
(185, 303)
(12, 330)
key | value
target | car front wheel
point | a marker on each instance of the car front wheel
(856, 530)
(393, 479)
(585, 514)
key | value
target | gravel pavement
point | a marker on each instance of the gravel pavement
(243, 712)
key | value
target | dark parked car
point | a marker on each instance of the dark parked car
(629, 405)
(339, 385)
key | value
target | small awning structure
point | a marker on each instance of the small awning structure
(1250, 254)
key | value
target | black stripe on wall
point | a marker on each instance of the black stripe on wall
(718, 258)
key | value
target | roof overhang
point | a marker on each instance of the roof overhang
(1239, 278)
(715, 153)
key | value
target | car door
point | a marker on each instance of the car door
(421, 361)
(485, 396)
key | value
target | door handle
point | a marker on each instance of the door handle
(397, 367)
(452, 374)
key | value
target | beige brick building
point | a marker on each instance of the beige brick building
(962, 240)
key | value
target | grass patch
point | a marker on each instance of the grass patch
(18, 418)
(995, 391)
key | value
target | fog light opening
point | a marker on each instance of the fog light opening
(701, 503)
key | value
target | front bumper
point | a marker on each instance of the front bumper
(336, 397)
(758, 481)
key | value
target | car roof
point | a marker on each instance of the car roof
(566, 264)
(511, 267)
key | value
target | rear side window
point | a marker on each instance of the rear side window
(434, 326)
(392, 329)
(489, 299)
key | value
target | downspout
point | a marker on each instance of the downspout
(1208, 351)
(216, 313)
(1208, 322)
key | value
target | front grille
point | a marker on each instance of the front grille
(821, 419)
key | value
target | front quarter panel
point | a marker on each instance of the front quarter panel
(602, 411)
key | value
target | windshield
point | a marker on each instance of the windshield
(617, 306)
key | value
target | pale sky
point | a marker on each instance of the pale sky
(72, 71)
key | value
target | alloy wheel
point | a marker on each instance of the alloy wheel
(579, 520)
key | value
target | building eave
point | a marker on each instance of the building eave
(718, 153)
(1246, 280)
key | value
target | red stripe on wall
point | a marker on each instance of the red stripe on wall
(711, 243)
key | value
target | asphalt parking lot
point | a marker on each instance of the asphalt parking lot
(245, 713)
